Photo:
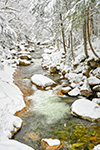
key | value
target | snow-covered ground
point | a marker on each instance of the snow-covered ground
(11, 101)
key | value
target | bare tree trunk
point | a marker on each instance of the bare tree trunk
(58, 45)
(89, 35)
(91, 22)
(84, 36)
(72, 45)
(63, 35)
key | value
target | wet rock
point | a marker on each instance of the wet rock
(96, 88)
(93, 81)
(74, 92)
(51, 144)
(86, 109)
(53, 69)
(65, 89)
(85, 89)
(92, 63)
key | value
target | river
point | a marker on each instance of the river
(48, 115)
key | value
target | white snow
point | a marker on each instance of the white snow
(52, 142)
(74, 92)
(93, 80)
(96, 100)
(98, 94)
(11, 101)
(13, 145)
(42, 80)
(74, 77)
(86, 108)
(97, 147)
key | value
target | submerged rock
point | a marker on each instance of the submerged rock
(86, 109)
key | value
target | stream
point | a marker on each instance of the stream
(48, 115)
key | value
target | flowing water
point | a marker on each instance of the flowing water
(49, 116)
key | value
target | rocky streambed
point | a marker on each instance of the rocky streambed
(48, 109)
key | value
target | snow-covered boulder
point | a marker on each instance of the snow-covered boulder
(65, 89)
(96, 100)
(51, 144)
(96, 72)
(98, 94)
(13, 145)
(79, 59)
(93, 81)
(24, 62)
(86, 109)
(74, 92)
(97, 147)
(74, 77)
(8, 123)
(85, 89)
(42, 81)
(96, 88)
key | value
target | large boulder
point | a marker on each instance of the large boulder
(42, 81)
(86, 109)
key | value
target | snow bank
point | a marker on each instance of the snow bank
(13, 145)
(11, 101)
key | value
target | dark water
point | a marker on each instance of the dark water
(49, 117)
